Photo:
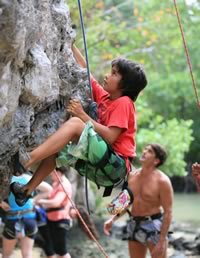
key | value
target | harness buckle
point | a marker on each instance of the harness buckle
(18, 213)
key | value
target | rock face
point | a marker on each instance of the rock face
(38, 75)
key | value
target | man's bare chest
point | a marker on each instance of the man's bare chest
(145, 189)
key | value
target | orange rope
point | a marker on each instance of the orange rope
(187, 54)
(80, 217)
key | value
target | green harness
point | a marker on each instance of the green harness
(93, 158)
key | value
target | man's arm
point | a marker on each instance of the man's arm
(166, 196)
(166, 201)
(108, 223)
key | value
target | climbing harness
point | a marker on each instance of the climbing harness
(143, 229)
(94, 159)
(187, 54)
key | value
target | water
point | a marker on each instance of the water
(186, 208)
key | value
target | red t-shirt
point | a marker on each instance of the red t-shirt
(118, 113)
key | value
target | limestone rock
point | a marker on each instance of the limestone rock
(38, 75)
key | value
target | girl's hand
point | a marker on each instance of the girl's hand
(75, 108)
(5, 206)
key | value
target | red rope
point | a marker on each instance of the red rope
(80, 217)
(187, 54)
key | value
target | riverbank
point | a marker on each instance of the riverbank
(82, 247)
(186, 228)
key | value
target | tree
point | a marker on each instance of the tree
(175, 135)
(150, 34)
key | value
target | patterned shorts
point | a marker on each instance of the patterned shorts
(144, 231)
(29, 226)
(94, 158)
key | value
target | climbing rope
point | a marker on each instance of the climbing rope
(93, 105)
(81, 219)
(85, 45)
(92, 109)
(187, 54)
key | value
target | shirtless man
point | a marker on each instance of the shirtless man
(151, 211)
(196, 174)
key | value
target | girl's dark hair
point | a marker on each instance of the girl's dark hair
(160, 152)
(63, 170)
(133, 77)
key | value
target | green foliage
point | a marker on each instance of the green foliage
(174, 135)
(148, 32)
(100, 208)
(176, 99)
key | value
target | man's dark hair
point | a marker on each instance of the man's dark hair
(133, 77)
(160, 152)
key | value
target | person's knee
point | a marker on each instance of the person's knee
(76, 121)
(76, 125)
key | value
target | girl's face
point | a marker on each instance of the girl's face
(112, 83)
